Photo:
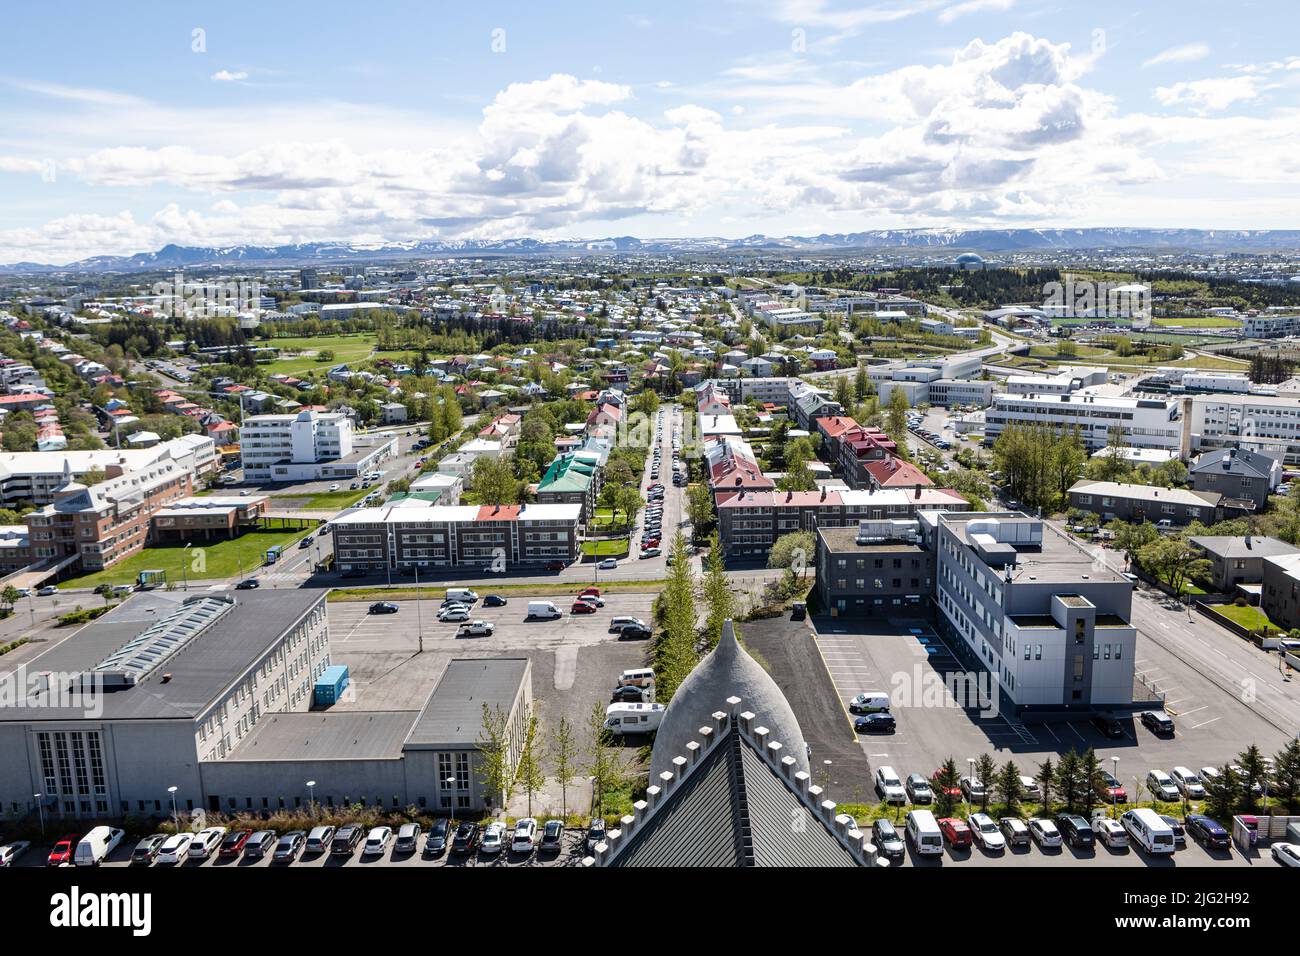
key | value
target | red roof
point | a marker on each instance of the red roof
(896, 473)
(498, 513)
(835, 425)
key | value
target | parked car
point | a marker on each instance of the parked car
(384, 607)
(12, 851)
(594, 599)
(475, 629)
(1110, 789)
(453, 615)
(1157, 721)
(1014, 831)
(466, 838)
(525, 836)
(175, 848)
(494, 600)
(1108, 726)
(595, 835)
(1075, 829)
(319, 840)
(582, 607)
(986, 832)
(918, 789)
(377, 841)
(1180, 832)
(1188, 783)
(956, 832)
(1110, 832)
(555, 565)
(494, 837)
(233, 844)
(1206, 831)
(972, 789)
(1029, 789)
(259, 843)
(288, 847)
(146, 851)
(346, 839)
(888, 787)
(1044, 832)
(882, 723)
(635, 632)
(204, 842)
(1162, 786)
(552, 836)
(408, 838)
(435, 844)
(1287, 854)
(248, 584)
(886, 839)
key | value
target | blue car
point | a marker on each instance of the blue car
(875, 723)
(1206, 831)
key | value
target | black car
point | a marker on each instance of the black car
(595, 835)
(494, 600)
(346, 839)
(384, 607)
(634, 632)
(552, 836)
(1180, 834)
(1158, 722)
(1075, 829)
(146, 851)
(886, 839)
(436, 842)
(875, 723)
(918, 789)
(627, 694)
(247, 584)
(1109, 727)
(1206, 831)
(466, 838)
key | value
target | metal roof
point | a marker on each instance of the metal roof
(453, 714)
(139, 656)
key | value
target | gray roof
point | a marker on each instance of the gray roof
(343, 735)
(732, 810)
(1239, 546)
(1234, 461)
(209, 664)
(728, 671)
(453, 714)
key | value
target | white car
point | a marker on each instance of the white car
(1029, 789)
(12, 851)
(1110, 832)
(1162, 786)
(595, 599)
(1044, 832)
(986, 832)
(609, 564)
(1288, 854)
(377, 841)
(888, 787)
(494, 837)
(1188, 783)
(204, 842)
(453, 615)
(618, 623)
(334, 487)
(525, 836)
(476, 629)
(48, 590)
(175, 848)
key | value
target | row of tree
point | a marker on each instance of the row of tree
(1039, 463)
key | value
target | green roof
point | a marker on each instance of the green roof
(568, 473)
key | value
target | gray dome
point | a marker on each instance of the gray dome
(728, 671)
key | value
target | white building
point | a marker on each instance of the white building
(1268, 424)
(308, 446)
(1144, 422)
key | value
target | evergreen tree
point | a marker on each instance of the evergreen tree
(1047, 784)
(946, 788)
(985, 772)
(1010, 789)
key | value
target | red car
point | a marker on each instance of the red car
(649, 543)
(555, 565)
(64, 848)
(593, 591)
(955, 831)
(1110, 789)
(234, 842)
(934, 785)
(582, 607)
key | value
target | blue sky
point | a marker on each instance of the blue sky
(280, 122)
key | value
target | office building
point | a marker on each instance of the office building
(878, 568)
(308, 446)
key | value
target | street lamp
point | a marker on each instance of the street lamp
(311, 796)
(176, 818)
(40, 810)
(185, 567)
(1114, 772)
(419, 620)
(827, 773)
(970, 775)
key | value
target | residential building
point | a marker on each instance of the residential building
(1113, 500)
(1237, 473)
(572, 478)
(308, 446)
(1238, 559)
(1280, 595)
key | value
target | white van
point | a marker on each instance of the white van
(96, 845)
(633, 718)
(461, 595)
(870, 702)
(1148, 830)
(923, 833)
(640, 676)
(543, 610)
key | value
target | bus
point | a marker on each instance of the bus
(273, 553)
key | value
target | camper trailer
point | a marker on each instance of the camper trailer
(633, 718)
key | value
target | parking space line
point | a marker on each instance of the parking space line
(1203, 723)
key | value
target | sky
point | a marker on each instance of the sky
(131, 125)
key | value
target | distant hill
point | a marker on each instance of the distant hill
(997, 241)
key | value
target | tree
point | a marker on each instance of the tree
(985, 772)
(493, 481)
(1070, 780)
(1009, 787)
(674, 651)
(494, 770)
(564, 752)
(530, 775)
(1090, 772)
(601, 766)
(1286, 777)
(798, 476)
(1173, 561)
(793, 551)
(1254, 775)
(1047, 784)
(896, 420)
(946, 781)
(1131, 538)
(1223, 794)
(627, 499)
(718, 597)
(10, 595)
(699, 508)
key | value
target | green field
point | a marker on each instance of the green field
(610, 548)
(1197, 322)
(1249, 617)
(326, 500)
(346, 348)
(219, 559)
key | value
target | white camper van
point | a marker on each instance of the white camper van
(543, 611)
(1148, 831)
(633, 718)
(96, 845)
(923, 833)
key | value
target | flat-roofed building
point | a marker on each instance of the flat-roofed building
(877, 568)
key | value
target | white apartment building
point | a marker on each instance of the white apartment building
(1270, 326)
(305, 447)
(1265, 423)
(1144, 422)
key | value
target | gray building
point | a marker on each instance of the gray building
(878, 568)
(1237, 473)
(1239, 559)
(1112, 500)
(1025, 604)
(1280, 596)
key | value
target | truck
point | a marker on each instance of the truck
(331, 684)
(273, 553)
(94, 848)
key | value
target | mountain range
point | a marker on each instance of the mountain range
(993, 241)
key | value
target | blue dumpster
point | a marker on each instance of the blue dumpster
(330, 685)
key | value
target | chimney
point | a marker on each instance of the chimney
(823, 493)
(918, 489)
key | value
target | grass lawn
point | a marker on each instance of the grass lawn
(604, 518)
(219, 559)
(1197, 322)
(326, 500)
(1249, 617)
(346, 348)
(611, 547)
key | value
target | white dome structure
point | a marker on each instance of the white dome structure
(728, 671)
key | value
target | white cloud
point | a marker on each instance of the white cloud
(226, 76)
(948, 14)
(1210, 95)
(1186, 53)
